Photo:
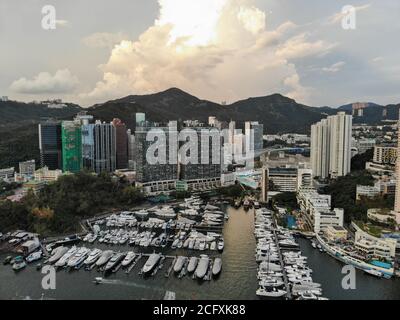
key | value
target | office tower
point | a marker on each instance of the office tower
(232, 131)
(397, 195)
(88, 146)
(27, 167)
(331, 146)
(131, 150)
(140, 118)
(71, 146)
(104, 135)
(121, 139)
(50, 144)
(264, 185)
(254, 132)
(208, 159)
(153, 172)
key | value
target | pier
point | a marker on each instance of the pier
(285, 277)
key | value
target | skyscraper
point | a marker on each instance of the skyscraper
(149, 172)
(121, 147)
(397, 196)
(104, 147)
(50, 144)
(331, 146)
(72, 146)
(140, 118)
(208, 164)
(254, 132)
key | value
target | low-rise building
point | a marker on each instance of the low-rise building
(284, 179)
(385, 154)
(326, 218)
(367, 191)
(7, 174)
(336, 233)
(33, 185)
(46, 175)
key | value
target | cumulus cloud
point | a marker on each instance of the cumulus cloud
(336, 67)
(252, 18)
(104, 39)
(219, 49)
(45, 83)
(299, 47)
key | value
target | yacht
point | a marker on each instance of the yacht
(213, 245)
(57, 253)
(34, 256)
(257, 205)
(142, 214)
(202, 245)
(180, 261)
(217, 266)
(271, 293)
(202, 266)
(151, 263)
(104, 258)
(93, 256)
(114, 261)
(271, 282)
(128, 259)
(192, 264)
(19, 263)
(64, 259)
(221, 245)
(79, 257)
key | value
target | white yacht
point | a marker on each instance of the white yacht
(202, 266)
(93, 256)
(105, 256)
(64, 259)
(79, 257)
(151, 263)
(128, 259)
(270, 293)
(114, 261)
(180, 261)
(192, 264)
(217, 266)
(57, 253)
(221, 245)
(34, 256)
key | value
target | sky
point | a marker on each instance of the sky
(219, 50)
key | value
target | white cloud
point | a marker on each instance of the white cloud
(335, 67)
(215, 49)
(377, 59)
(252, 18)
(104, 39)
(299, 47)
(45, 83)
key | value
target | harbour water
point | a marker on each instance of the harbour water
(237, 280)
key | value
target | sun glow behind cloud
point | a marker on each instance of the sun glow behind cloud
(195, 21)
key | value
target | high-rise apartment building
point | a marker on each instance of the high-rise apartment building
(50, 144)
(331, 146)
(72, 146)
(121, 141)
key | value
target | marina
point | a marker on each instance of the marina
(237, 279)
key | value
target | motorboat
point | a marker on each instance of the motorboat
(19, 263)
(270, 292)
(271, 282)
(128, 259)
(151, 262)
(202, 266)
(192, 264)
(7, 260)
(180, 261)
(57, 253)
(217, 266)
(114, 261)
(93, 256)
(64, 259)
(34, 256)
(221, 245)
(104, 258)
(79, 257)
